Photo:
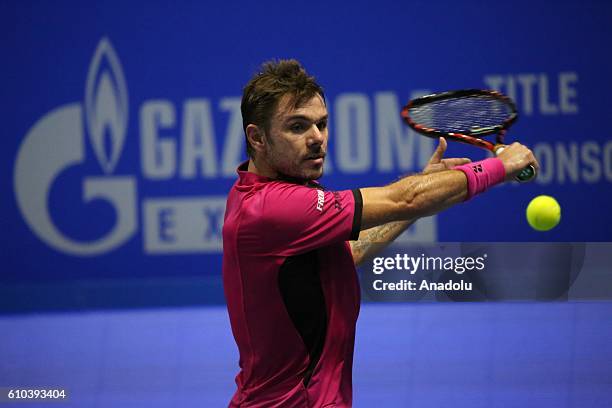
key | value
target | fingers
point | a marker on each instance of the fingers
(445, 164)
(533, 161)
(437, 163)
(517, 157)
(455, 161)
(436, 157)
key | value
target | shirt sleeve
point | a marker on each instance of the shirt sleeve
(297, 219)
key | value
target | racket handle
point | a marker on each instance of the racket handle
(527, 174)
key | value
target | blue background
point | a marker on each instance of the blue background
(473, 355)
(406, 355)
(196, 50)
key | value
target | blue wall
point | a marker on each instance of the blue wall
(122, 129)
(121, 132)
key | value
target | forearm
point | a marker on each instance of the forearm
(374, 240)
(413, 197)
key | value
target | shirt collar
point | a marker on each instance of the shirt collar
(247, 177)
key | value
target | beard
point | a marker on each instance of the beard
(300, 170)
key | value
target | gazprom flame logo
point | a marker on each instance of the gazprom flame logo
(104, 118)
(106, 105)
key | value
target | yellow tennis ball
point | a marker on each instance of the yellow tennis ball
(543, 213)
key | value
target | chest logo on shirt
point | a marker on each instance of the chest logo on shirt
(320, 200)
(337, 201)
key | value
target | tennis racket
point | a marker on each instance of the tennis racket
(466, 116)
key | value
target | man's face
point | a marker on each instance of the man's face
(297, 140)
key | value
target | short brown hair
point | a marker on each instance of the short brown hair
(262, 93)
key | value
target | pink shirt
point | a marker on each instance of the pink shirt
(292, 291)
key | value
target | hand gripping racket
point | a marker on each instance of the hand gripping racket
(465, 116)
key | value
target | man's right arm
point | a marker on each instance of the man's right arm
(421, 195)
(412, 197)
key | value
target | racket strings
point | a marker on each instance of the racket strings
(469, 114)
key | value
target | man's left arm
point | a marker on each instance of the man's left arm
(374, 240)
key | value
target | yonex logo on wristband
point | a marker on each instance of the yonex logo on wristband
(482, 175)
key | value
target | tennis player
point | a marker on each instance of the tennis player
(290, 247)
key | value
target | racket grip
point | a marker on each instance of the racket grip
(527, 174)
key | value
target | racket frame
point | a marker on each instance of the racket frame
(469, 137)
